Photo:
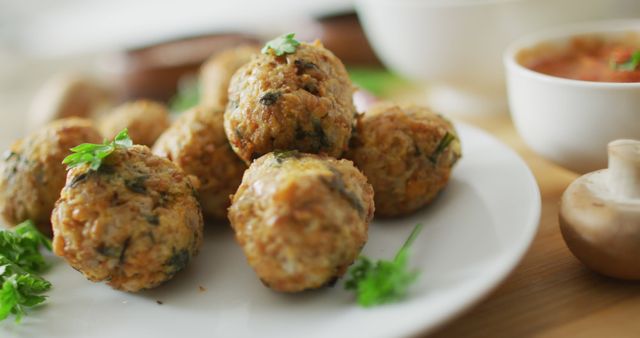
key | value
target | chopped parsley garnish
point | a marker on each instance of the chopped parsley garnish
(270, 98)
(383, 281)
(629, 65)
(281, 155)
(188, 96)
(284, 44)
(94, 154)
(442, 145)
(20, 260)
(178, 260)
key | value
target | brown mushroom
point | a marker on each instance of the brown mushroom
(600, 214)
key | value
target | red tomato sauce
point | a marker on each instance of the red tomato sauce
(590, 60)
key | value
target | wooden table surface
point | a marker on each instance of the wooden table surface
(550, 293)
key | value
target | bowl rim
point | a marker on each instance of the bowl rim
(566, 32)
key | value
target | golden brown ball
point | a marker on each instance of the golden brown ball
(134, 223)
(196, 142)
(217, 71)
(406, 153)
(301, 219)
(300, 101)
(69, 95)
(32, 173)
(144, 119)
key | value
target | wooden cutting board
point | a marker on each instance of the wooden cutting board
(550, 293)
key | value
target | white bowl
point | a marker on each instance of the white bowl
(569, 121)
(460, 42)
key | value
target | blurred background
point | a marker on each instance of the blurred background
(146, 48)
(446, 53)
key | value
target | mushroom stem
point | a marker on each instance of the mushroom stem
(624, 168)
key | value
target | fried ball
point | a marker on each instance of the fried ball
(407, 154)
(196, 143)
(69, 95)
(32, 173)
(300, 101)
(135, 222)
(145, 119)
(216, 73)
(301, 219)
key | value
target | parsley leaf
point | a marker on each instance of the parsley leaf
(93, 154)
(628, 66)
(379, 82)
(284, 44)
(22, 246)
(20, 259)
(383, 281)
(188, 96)
(20, 289)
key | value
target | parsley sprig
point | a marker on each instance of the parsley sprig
(94, 154)
(22, 246)
(284, 44)
(629, 65)
(20, 261)
(384, 281)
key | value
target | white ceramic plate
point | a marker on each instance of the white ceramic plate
(475, 233)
